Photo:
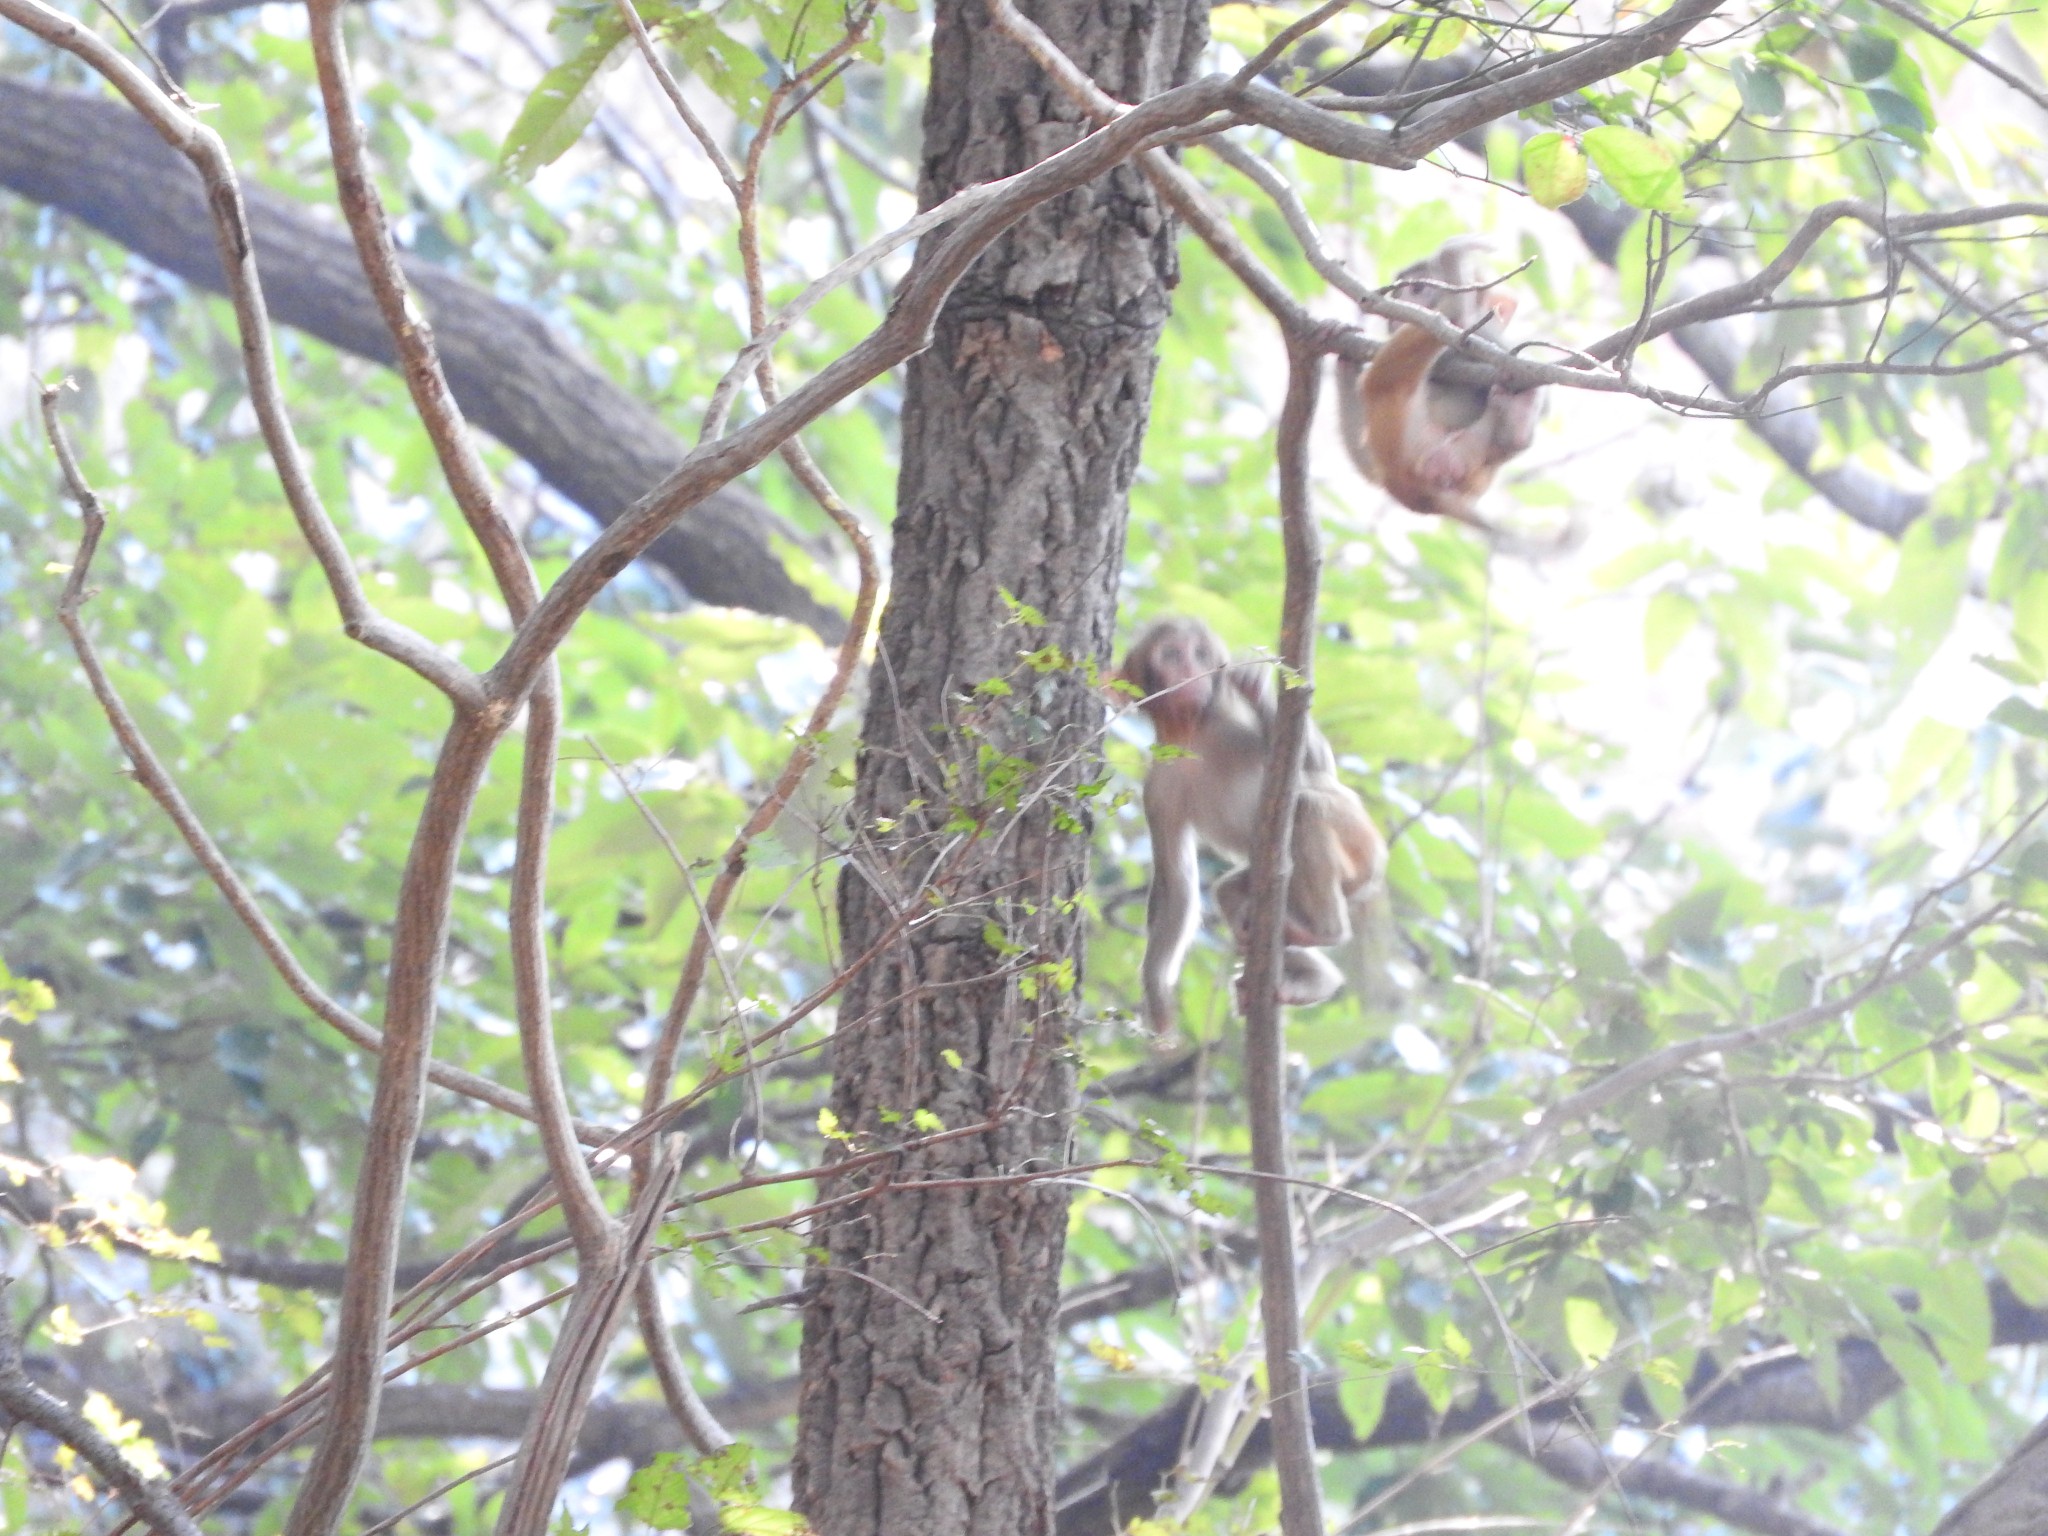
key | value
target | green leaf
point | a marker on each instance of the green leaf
(1441, 35)
(1591, 1331)
(1363, 1393)
(238, 652)
(1640, 170)
(761, 1520)
(1896, 111)
(1433, 1374)
(562, 105)
(1021, 612)
(1982, 1113)
(1554, 169)
(1664, 1380)
(2019, 715)
(2013, 672)
(23, 998)
(1456, 1343)
(1599, 958)
(1870, 54)
(1793, 989)
(1956, 1310)
(659, 1493)
(1734, 1296)
(1761, 87)
(1667, 619)
(2023, 1264)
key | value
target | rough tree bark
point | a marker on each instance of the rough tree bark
(928, 1400)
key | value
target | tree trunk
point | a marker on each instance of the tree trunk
(929, 1402)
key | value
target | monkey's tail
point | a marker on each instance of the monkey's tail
(1534, 548)
(1367, 958)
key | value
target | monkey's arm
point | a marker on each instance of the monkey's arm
(1173, 905)
(1255, 684)
(1351, 417)
(1394, 406)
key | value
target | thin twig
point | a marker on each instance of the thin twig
(157, 782)
(199, 144)
(1983, 61)
(672, 88)
(27, 1403)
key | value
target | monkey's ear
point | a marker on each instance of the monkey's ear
(1503, 305)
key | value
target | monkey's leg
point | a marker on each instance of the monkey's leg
(1307, 976)
(1233, 895)
(1317, 914)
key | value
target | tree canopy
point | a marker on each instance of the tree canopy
(523, 836)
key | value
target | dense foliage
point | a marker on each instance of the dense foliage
(1699, 772)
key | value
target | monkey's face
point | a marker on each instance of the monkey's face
(1178, 664)
(1449, 283)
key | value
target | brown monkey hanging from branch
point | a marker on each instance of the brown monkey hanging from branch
(1219, 714)
(1435, 444)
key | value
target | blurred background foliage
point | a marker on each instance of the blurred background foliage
(1671, 781)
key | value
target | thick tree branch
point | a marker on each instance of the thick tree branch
(598, 445)
(2013, 1501)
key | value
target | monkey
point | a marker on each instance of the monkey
(1434, 444)
(1220, 715)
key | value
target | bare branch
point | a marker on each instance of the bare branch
(1947, 35)
(1275, 186)
(157, 782)
(643, 40)
(1265, 1045)
(1513, 89)
(603, 1289)
(698, 1422)
(940, 262)
(30, 1404)
(1737, 297)
(412, 336)
(1181, 191)
(461, 465)
(1257, 65)
(2005, 317)
(419, 947)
